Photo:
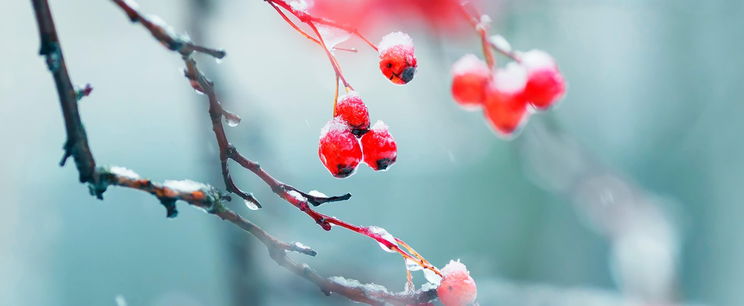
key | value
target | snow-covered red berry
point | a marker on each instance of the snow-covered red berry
(339, 150)
(457, 288)
(380, 150)
(545, 84)
(505, 107)
(351, 109)
(470, 77)
(397, 59)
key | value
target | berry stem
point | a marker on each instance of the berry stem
(297, 28)
(305, 17)
(481, 28)
(335, 97)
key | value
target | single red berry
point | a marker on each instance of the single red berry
(339, 150)
(351, 109)
(505, 107)
(545, 84)
(470, 77)
(397, 59)
(380, 150)
(457, 288)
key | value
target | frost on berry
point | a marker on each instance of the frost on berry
(505, 107)
(470, 77)
(397, 59)
(351, 109)
(339, 150)
(456, 288)
(545, 84)
(380, 150)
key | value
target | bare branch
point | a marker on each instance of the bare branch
(197, 194)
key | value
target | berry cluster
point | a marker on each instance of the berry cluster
(348, 139)
(508, 94)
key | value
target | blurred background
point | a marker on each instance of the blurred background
(627, 193)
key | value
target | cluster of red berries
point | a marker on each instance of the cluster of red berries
(348, 139)
(509, 94)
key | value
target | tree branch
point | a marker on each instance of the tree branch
(200, 195)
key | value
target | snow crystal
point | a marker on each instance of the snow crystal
(317, 194)
(250, 204)
(537, 59)
(432, 277)
(184, 185)
(394, 39)
(501, 43)
(334, 124)
(297, 196)
(332, 36)
(384, 234)
(469, 63)
(121, 171)
(510, 79)
(349, 94)
(356, 284)
(131, 4)
(454, 267)
(379, 126)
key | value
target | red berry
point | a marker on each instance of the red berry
(470, 77)
(397, 59)
(339, 150)
(505, 107)
(457, 288)
(351, 109)
(380, 150)
(545, 84)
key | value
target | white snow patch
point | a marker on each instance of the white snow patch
(379, 126)
(394, 39)
(297, 196)
(454, 267)
(412, 265)
(432, 277)
(501, 43)
(317, 194)
(250, 204)
(121, 171)
(429, 286)
(469, 63)
(132, 4)
(356, 284)
(384, 234)
(335, 124)
(301, 5)
(299, 245)
(510, 79)
(537, 59)
(184, 185)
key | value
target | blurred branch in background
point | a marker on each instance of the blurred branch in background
(644, 241)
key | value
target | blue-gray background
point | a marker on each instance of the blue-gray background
(654, 96)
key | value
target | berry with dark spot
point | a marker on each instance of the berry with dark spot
(339, 150)
(351, 109)
(397, 58)
(380, 150)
